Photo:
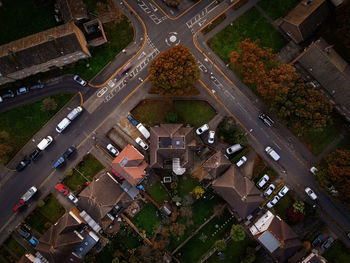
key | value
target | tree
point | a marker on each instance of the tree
(226, 130)
(240, 137)
(49, 104)
(299, 206)
(115, 260)
(174, 72)
(220, 245)
(237, 233)
(177, 229)
(198, 192)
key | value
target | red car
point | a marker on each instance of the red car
(60, 187)
(19, 204)
(117, 175)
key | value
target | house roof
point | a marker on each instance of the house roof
(130, 164)
(170, 141)
(100, 196)
(238, 191)
(72, 9)
(302, 11)
(216, 165)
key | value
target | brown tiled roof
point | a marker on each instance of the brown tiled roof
(238, 191)
(171, 132)
(216, 165)
(130, 164)
(72, 9)
(100, 196)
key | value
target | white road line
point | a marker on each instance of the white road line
(277, 145)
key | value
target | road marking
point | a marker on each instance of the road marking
(172, 12)
(155, 9)
(199, 17)
(101, 92)
(277, 145)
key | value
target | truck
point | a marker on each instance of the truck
(272, 153)
(143, 130)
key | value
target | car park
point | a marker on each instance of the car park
(23, 164)
(61, 188)
(140, 142)
(34, 241)
(59, 162)
(328, 243)
(132, 120)
(68, 153)
(310, 193)
(112, 150)
(79, 80)
(211, 137)
(241, 161)
(283, 191)
(22, 90)
(234, 148)
(269, 190)
(8, 95)
(117, 175)
(44, 143)
(266, 119)
(317, 241)
(273, 201)
(73, 198)
(263, 180)
(37, 86)
(34, 155)
(202, 129)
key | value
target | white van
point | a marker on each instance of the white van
(44, 143)
(272, 153)
(74, 113)
(143, 130)
(62, 125)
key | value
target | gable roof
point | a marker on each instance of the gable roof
(130, 164)
(238, 191)
(302, 11)
(72, 10)
(216, 165)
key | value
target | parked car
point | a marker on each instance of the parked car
(269, 190)
(34, 155)
(317, 241)
(23, 164)
(23, 233)
(1, 100)
(211, 137)
(19, 204)
(8, 95)
(44, 143)
(241, 161)
(313, 170)
(132, 120)
(283, 191)
(112, 150)
(22, 90)
(37, 86)
(34, 241)
(273, 154)
(61, 188)
(310, 193)
(202, 129)
(79, 80)
(234, 148)
(140, 142)
(273, 201)
(73, 198)
(117, 176)
(266, 119)
(263, 180)
(74, 113)
(59, 162)
(328, 243)
(68, 153)
(24, 198)
(143, 130)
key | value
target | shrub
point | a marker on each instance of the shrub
(220, 245)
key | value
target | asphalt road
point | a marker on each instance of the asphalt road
(221, 84)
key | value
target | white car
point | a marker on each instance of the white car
(241, 161)
(263, 180)
(79, 80)
(310, 193)
(211, 136)
(313, 170)
(234, 148)
(283, 191)
(73, 198)
(141, 143)
(202, 129)
(273, 201)
(269, 190)
(112, 150)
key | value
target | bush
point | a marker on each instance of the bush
(237, 233)
(220, 245)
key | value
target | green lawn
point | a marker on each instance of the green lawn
(52, 209)
(73, 181)
(153, 112)
(337, 253)
(119, 35)
(15, 247)
(251, 24)
(90, 166)
(278, 8)
(158, 193)
(282, 206)
(38, 222)
(185, 185)
(147, 219)
(23, 122)
(20, 18)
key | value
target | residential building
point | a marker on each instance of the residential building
(300, 23)
(216, 165)
(72, 10)
(314, 257)
(275, 236)
(238, 191)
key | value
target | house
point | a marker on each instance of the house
(302, 21)
(275, 236)
(100, 197)
(171, 146)
(94, 33)
(49, 49)
(130, 164)
(238, 191)
(216, 165)
(314, 257)
(72, 10)
(325, 65)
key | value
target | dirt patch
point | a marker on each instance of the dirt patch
(128, 128)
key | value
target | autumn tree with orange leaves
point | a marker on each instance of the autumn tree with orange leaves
(174, 72)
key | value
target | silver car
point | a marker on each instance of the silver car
(273, 201)
(112, 150)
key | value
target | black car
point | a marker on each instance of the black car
(36, 86)
(317, 241)
(266, 119)
(8, 95)
(34, 155)
(69, 152)
(23, 164)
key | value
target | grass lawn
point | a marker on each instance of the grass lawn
(38, 222)
(73, 181)
(119, 35)
(52, 209)
(337, 253)
(278, 8)
(90, 166)
(153, 112)
(147, 219)
(251, 24)
(282, 206)
(20, 18)
(157, 193)
(203, 241)
(15, 247)
(185, 185)
(23, 122)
